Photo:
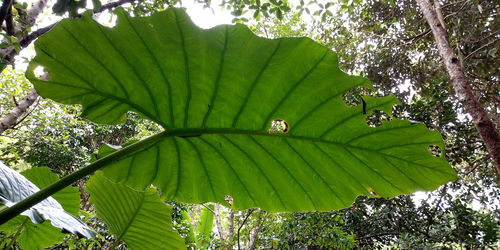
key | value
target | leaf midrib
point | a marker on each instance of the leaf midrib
(131, 221)
(194, 132)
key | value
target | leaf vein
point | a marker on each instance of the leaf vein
(348, 118)
(217, 80)
(254, 83)
(203, 167)
(98, 62)
(186, 72)
(258, 168)
(315, 172)
(285, 169)
(143, 82)
(339, 166)
(294, 86)
(231, 168)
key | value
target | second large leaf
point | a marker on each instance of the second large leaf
(257, 121)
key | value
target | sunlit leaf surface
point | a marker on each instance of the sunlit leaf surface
(140, 218)
(261, 121)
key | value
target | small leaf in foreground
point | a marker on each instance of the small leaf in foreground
(14, 187)
(139, 218)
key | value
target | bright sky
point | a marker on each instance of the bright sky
(207, 18)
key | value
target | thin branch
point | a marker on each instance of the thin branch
(254, 233)
(15, 100)
(10, 120)
(376, 235)
(230, 233)
(27, 114)
(243, 223)
(480, 48)
(207, 207)
(483, 38)
(424, 33)
(114, 5)
(450, 4)
(427, 31)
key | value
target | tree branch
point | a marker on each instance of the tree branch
(9, 23)
(243, 223)
(114, 5)
(10, 52)
(208, 208)
(29, 19)
(427, 31)
(218, 222)
(10, 120)
(376, 235)
(254, 233)
(480, 48)
(461, 84)
(230, 233)
(27, 114)
(4, 10)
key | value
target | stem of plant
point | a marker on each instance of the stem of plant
(18, 208)
(39, 196)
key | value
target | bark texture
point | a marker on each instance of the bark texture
(10, 120)
(461, 83)
(218, 222)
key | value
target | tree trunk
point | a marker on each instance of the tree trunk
(218, 222)
(460, 83)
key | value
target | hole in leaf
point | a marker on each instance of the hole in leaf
(372, 192)
(106, 18)
(376, 117)
(353, 96)
(41, 73)
(279, 126)
(435, 150)
(228, 199)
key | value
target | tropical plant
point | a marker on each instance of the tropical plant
(248, 121)
(16, 187)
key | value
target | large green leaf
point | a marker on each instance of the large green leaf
(204, 227)
(217, 92)
(69, 197)
(29, 235)
(139, 218)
